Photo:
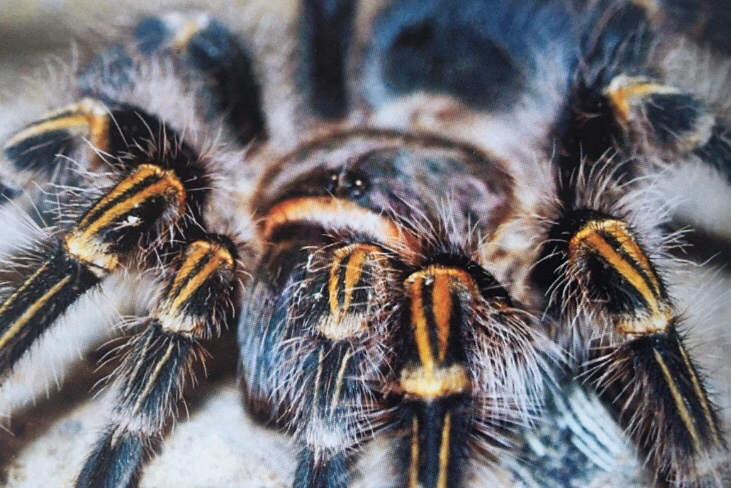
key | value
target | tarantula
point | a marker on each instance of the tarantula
(440, 224)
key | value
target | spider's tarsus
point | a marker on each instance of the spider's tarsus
(115, 461)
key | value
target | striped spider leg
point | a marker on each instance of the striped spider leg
(149, 382)
(180, 53)
(150, 216)
(603, 262)
(148, 211)
(471, 371)
(684, 139)
(625, 333)
(332, 353)
(157, 189)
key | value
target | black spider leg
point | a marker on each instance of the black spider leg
(326, 32)
(625, 329)
(679, 129)
(614, 38)
(70, 144)
(204, 53)
(160, 187)
(58, 149)
(195, 304)
(75, 138)
(466, 360)
(338, 323)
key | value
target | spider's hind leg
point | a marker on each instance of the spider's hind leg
(195, 303)
(685, 140)
(202, 52)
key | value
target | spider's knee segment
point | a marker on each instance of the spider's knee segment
(37, 145)
(110, 229)
(639, 359)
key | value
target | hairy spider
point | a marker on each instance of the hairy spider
(444, 231)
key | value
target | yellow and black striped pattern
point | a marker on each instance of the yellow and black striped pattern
(88, 119)
(84, 255)
(610, 241)
(433, 310)
(51, 291)
(691, 403)
(353, 274)
(38, 300)
(203, 262)
(147, 182)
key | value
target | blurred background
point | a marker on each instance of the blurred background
(32, 29)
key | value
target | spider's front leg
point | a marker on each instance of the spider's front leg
(323, 316)
(158, 189)
(149, 381)
(470, 370)
(625, 334)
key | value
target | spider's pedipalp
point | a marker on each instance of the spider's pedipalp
(470, 372)
(339, 335)
(158, 362)
(329, 320)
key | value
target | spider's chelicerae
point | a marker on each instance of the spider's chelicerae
(443, 231)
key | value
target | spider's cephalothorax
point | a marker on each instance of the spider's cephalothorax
(444, 229)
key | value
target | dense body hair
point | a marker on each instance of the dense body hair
(439, 243)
